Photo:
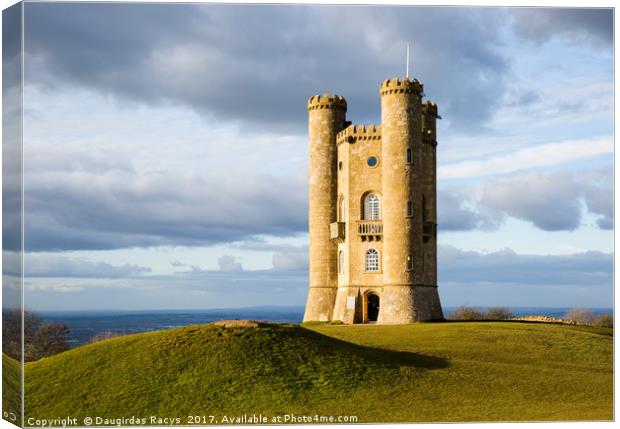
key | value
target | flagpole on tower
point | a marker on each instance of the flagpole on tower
(407, 73)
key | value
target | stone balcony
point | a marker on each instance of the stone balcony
(337, 231)
(370, 230)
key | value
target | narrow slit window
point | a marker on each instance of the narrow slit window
(409, 208)
(409, 156)
(409, 263)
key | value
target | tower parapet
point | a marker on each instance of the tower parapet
(327, 101)
(354, 133)
(401, 86)
(430, 108)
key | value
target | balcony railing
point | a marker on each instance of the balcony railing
(370, 229)
(337, 231)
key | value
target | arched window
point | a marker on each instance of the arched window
(409, 263)
(372, 207)
(341, 209)
(340, 262)
(372, 260)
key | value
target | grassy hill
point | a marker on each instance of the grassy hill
(466, 371)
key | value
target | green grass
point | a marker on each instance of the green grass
(475, 371)
(11, 385)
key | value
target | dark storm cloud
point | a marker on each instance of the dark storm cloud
(259, 64)
(542, 24)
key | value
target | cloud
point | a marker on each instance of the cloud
(49, 266)
(291, 259)
(122, 209)
(598, 194)
(508, 267)
(457, 211)
(465, 277)
(510, 279)
(542, 24)
(544, 155)
(229, 263)
(552, 201)
(196, 56)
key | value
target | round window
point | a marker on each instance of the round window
(372, 161)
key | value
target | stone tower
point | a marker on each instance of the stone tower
(373, 212)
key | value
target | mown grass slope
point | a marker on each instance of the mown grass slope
(11, 385)
(423, 372)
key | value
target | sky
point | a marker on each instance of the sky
(165, 148)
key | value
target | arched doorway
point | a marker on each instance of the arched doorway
(372, 307)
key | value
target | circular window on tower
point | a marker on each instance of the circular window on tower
(372, 161)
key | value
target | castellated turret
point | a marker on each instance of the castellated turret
(372, 218)
(326, 117)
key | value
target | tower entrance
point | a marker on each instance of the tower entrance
(372, 308)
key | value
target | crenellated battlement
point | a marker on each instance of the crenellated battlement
(327, 101)
(430, 108)
(401, 86)
(354, 133)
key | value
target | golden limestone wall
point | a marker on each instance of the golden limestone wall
(355, 180)
(326, 117)
(400, 130)
(340, 178)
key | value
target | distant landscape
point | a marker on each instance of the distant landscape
(84, 325)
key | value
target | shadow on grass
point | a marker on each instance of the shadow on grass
(378, 355)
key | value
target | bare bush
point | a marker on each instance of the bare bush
(580, 316)
(49, 339)
(466, 313)
(100, 336)
(604, 320)
(40, 339)
(499, 313)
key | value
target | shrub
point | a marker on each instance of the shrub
(40, 339)
(604, 320)
(499, 313)
(49, 339)
(466, 313)
(580, 316)
(100, 336)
